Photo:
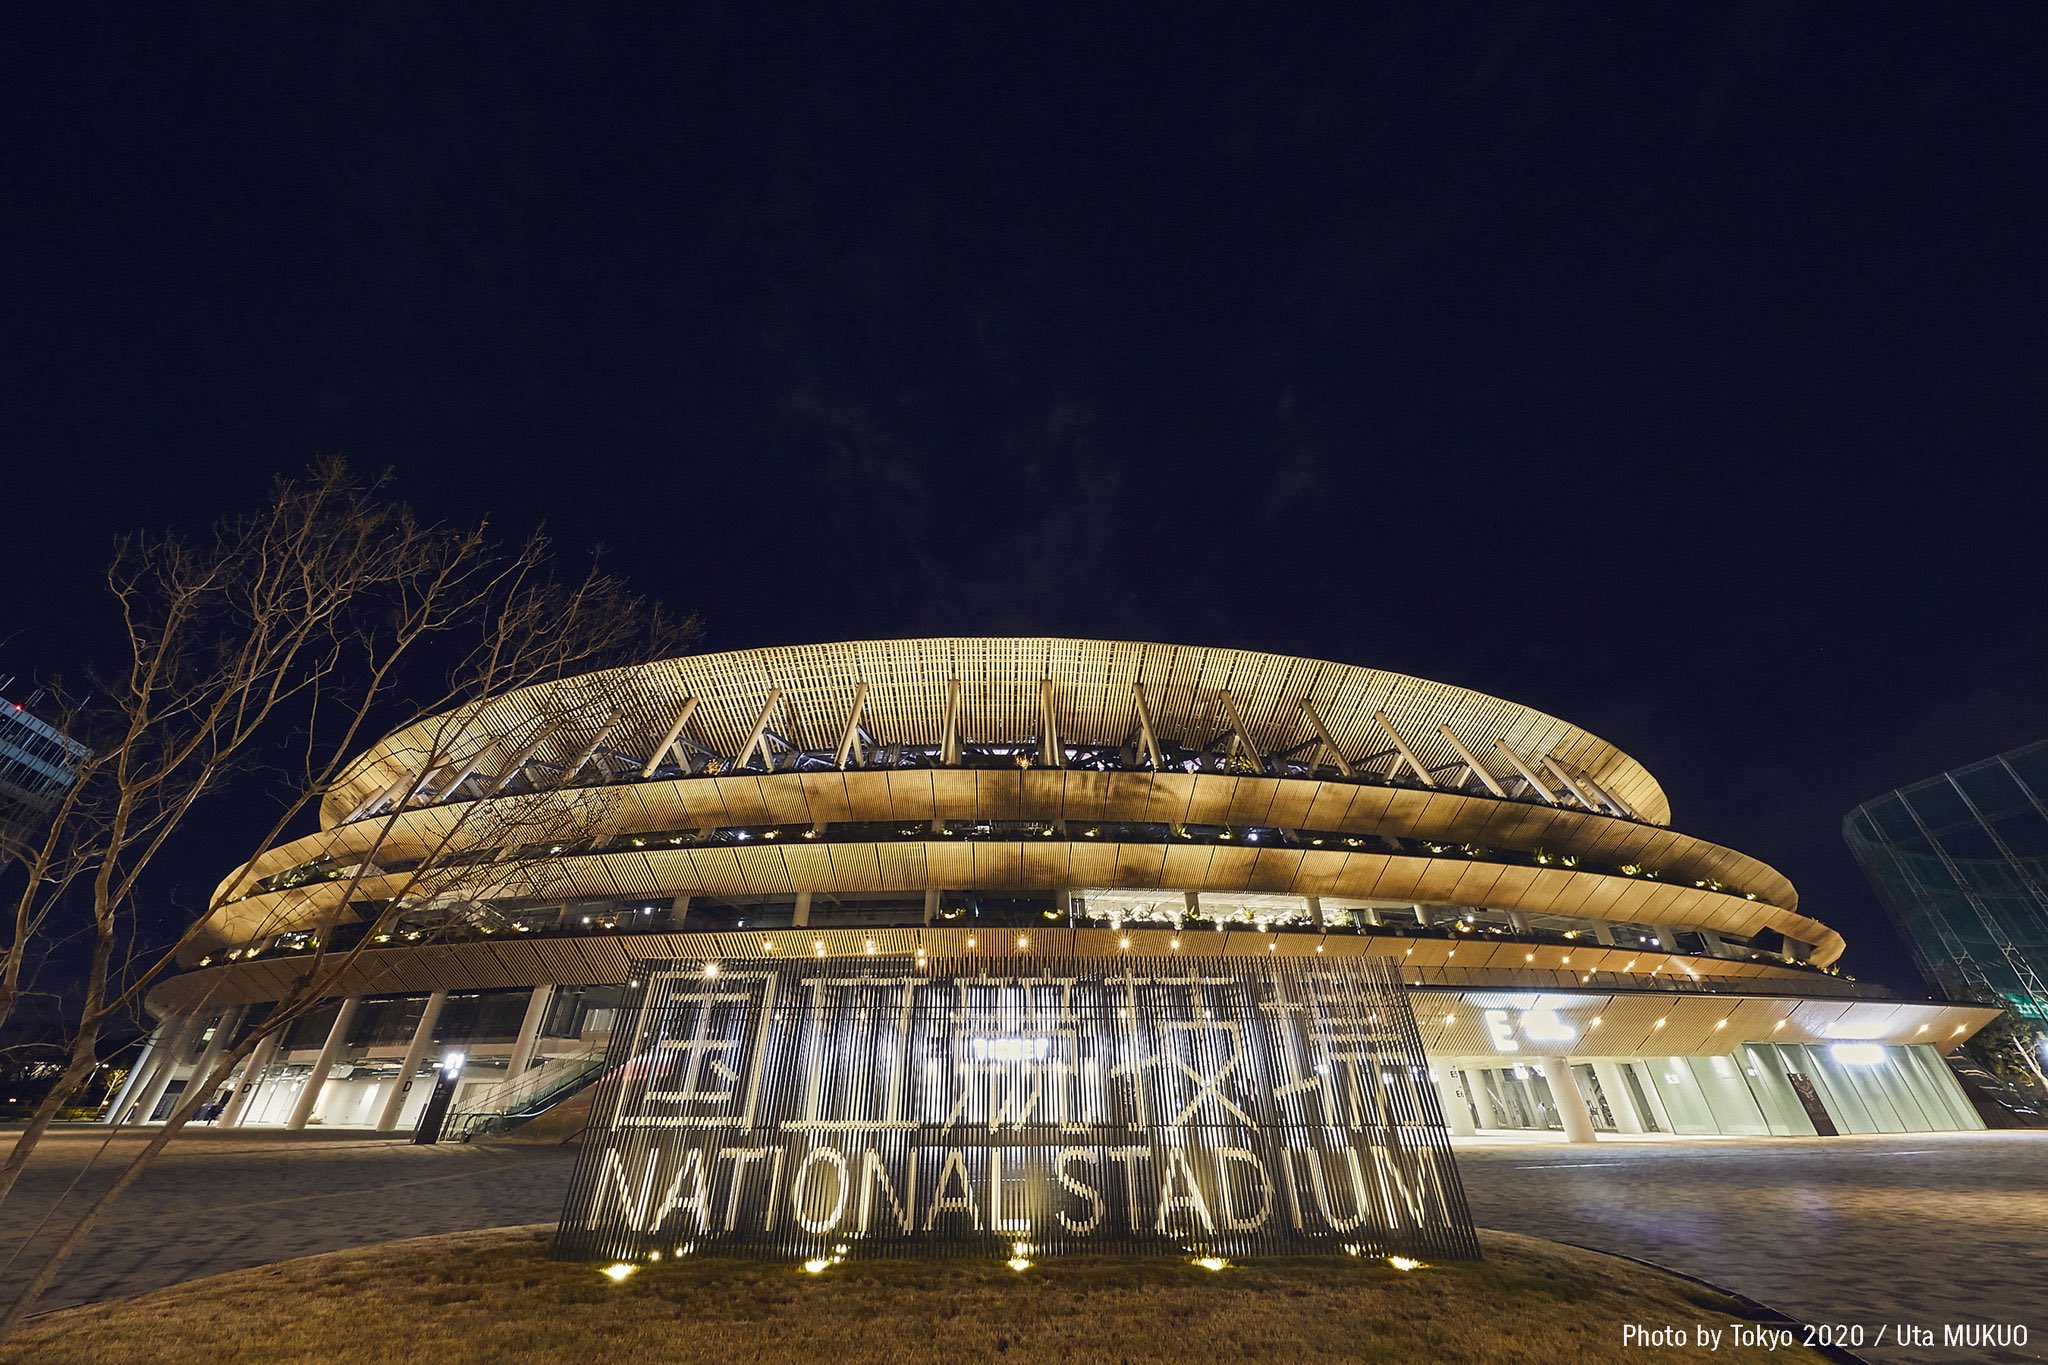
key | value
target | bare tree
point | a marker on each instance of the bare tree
(291, 636)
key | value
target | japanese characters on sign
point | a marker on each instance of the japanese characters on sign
(964, 1105)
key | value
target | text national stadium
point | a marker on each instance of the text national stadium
(949, 941)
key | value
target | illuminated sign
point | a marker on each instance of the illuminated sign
(965, 1105)
(1501, 1029)
(1537, 1025)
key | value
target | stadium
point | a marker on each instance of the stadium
(1576, 965)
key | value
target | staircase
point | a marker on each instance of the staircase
(520, 1099)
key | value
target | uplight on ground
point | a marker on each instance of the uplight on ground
(438, 1297)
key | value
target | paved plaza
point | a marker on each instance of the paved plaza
(1925, 1228)
(222, 1201)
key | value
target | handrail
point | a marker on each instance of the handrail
(515, 1092)
(1683, 983)
(513, 1101)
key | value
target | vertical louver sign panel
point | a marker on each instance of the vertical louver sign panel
(960, 1107)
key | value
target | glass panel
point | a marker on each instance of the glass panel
(1727, 1097)
(493, 1018)
(1518, 1098)
(1939, 807)
(1764, 1070)
(1844, 1105)
(576, 1011)
(1674, 1084)
(1651, 1113)
(310, 1030)
(1595, 1096)
(2031, 766)
(386, 1023)
(1939, 1090)
(1990, 789)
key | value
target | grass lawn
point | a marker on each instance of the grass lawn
(494, 1296)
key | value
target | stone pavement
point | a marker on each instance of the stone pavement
(1927, 1228)
(222, 1201)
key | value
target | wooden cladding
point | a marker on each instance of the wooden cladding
(843, 699)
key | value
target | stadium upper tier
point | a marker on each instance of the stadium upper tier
(1086, 705)
(944, 765)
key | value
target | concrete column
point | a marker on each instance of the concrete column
(803, 909)
(329, 1050)
(1716, 945)
(415, 1053)
(1518, 921)
(1603, 935)
(679, 912)
(1450, 1093)
(1571, 1105)
(172, 1052)
(223, 1033)
(1614, 1085)
(252, 1076)
(1664, 938)
(1422, 916)
(1369, 915)
(529, 1033)
(144, 1061)
(931, 905)
(1315, 910)
(1192, 901)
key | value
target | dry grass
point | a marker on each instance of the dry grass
(492, 1296)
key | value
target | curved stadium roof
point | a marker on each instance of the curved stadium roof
(998, 691)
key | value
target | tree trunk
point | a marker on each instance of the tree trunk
(47, 1272)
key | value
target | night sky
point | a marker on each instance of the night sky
(1676, 369)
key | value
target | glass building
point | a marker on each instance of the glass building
(1961, 863)
(36, 765)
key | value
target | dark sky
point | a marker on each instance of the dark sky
(1676, 369)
